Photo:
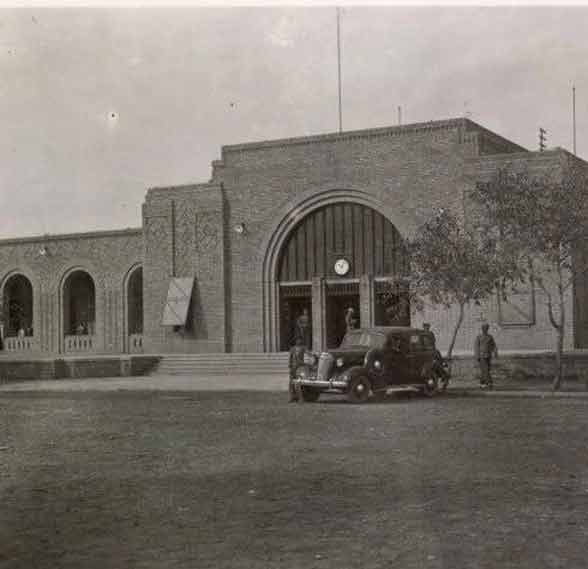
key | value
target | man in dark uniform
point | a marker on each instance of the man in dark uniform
(295, 361)
(438, 366)
(303, 328)
(484, 349)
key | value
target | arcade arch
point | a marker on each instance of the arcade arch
(17, 297)
(133, 291)
(79, 304)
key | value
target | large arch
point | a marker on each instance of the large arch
(277, 238)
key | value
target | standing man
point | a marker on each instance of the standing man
(349, 319)
(295, 361)
(484, 349)
(438, 367)
(427, 329)
(303, 328)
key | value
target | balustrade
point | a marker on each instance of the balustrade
(136, 343)
(19, 344)
(80, 343)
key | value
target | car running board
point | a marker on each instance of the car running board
(402, 389)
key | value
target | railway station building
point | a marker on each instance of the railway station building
(284, 229)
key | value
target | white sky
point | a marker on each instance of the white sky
(98, 104)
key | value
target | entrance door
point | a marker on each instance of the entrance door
(295, 315)
(340, 298)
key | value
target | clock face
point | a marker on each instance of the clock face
(341, 266)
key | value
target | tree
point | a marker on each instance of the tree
(451, 264)
(538, 223)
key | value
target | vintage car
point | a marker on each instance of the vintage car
(378, 361)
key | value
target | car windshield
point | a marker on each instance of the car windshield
(363, 339)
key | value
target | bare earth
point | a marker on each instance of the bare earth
(244, 480)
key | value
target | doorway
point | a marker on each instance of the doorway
(340, 298)
(295, 315)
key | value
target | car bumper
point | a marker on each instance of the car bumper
(321, 383)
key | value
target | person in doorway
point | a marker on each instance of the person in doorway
(350, 320)
(295, 360)
(484, 349)
(303, 328)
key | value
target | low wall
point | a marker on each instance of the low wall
(524, 366)
(76, 368)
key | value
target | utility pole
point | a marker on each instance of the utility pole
(399, 115)
(339, 67)
(542, 139)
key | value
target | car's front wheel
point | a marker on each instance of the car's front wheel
(310, 394)
(359, 390)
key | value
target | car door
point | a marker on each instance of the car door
(396, 361)
(418, 356)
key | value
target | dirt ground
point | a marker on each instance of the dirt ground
(244, 480)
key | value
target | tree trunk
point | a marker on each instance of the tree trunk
(455, 331)
(558, 378)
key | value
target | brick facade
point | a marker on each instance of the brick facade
(227, 235)
(108, 257)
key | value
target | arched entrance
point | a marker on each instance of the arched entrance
(18, 307)
(79, 311)
(340, 264)
(134, 309)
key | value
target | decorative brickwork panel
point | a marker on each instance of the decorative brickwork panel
(207, 231)
(184, 239)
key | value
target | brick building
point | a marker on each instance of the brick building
(303, 226)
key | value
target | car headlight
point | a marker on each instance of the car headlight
(377, 365)
(340, 362)
(310, 359)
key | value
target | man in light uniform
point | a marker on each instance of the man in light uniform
(484, 349)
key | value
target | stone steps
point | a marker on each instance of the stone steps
(222, 364)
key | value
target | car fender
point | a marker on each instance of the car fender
(356, 371)
(375, 354)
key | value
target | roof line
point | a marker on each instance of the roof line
(331, 136)
(47, 237)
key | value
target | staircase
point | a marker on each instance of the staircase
(223, 364)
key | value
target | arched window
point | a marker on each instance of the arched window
(135, 302)
(18, 306)
(79, 304)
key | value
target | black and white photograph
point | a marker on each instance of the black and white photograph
(293, 285)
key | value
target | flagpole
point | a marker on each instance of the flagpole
(574, 115)
(339, 68)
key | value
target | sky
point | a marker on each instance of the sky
(98, 104)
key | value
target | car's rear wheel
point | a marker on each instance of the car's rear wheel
(430, 385)
(359, 390)
(310, 394)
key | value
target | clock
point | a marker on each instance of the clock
(342, 266)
